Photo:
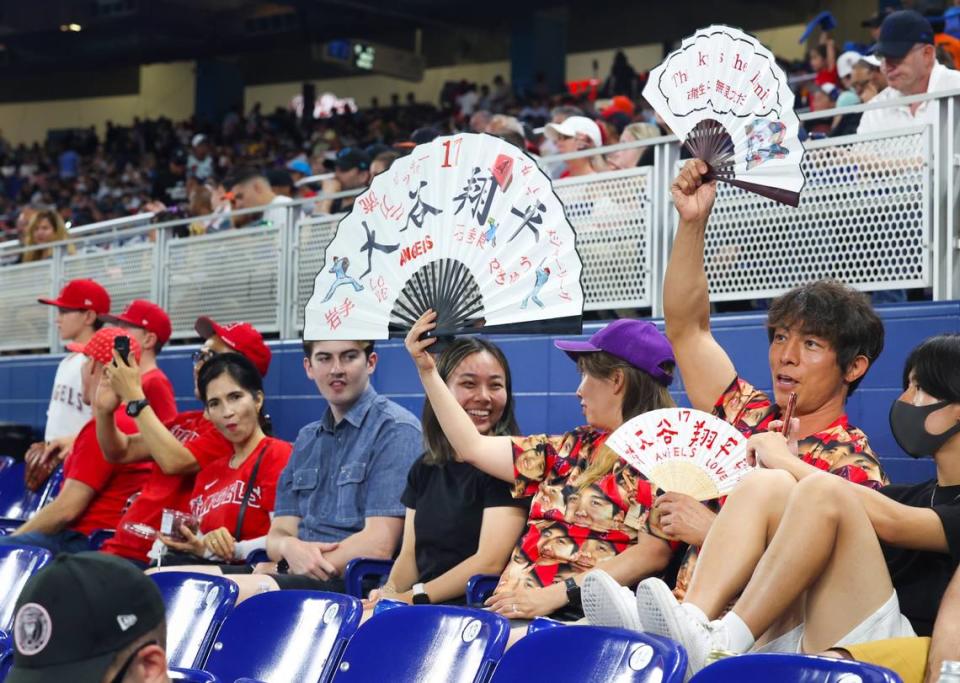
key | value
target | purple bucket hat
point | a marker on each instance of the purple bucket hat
(638, 342)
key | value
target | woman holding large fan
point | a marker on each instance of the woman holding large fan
(592, 506)
(459, 521)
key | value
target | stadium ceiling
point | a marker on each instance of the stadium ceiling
(43, 36)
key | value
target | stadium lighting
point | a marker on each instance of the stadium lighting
(72, 28)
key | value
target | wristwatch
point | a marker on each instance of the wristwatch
(420, 596)
(134, 408)
(573, 592)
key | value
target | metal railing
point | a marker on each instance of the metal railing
(879, 211)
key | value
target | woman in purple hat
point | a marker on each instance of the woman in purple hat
(589, 508)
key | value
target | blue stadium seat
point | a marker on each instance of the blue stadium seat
(387, 603)
(542, 624)
(191, 675)
(600, 654)
(196, 606)
(361, 568)
(789, 668)
(16, 502)
(99, 537)
(280, 636)
(425, 643)
(6, 654)
(480, 587)
(17, 564)
(255, 557)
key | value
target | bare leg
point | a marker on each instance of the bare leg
(826, 546)
(249, 584)
(737, 539)
(252, 584)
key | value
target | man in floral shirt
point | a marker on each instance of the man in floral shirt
(823, 338)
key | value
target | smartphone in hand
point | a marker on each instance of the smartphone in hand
(122, 346)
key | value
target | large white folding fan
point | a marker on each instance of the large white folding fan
(684, 451)
(467, 225)
(725, 96)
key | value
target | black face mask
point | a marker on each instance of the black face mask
(907, 423)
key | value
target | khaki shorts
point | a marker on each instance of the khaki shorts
(906, 656)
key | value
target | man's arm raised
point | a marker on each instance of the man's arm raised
(706, 368)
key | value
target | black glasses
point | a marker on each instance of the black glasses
(201, 356)
(127, 664)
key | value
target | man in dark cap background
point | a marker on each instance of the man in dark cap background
(89, 618)
(351, 171)
(908, 59)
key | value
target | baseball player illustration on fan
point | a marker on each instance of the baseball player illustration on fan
(724, 95)
(470, 227)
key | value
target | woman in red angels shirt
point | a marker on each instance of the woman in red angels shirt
(233, 496)
(178, 448)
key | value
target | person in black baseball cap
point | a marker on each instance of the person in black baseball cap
(351, 171)
(908, 60)
(89, 618)
(902, 32)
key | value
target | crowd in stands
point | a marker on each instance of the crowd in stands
(191, 168)
(816, 551)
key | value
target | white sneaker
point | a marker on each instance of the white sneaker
(661, 614)
(607, 603)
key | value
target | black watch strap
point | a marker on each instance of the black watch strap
(573, 592)
(421, 599)
(134, 408)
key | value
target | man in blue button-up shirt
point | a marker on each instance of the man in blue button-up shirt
(339, 496)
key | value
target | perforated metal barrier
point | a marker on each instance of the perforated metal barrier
(126, 272)
(613, 216)
(864, 219)
(25, 325)
(878, 212)
(312, 238)
(230, 275)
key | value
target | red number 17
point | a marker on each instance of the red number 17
(456, 153)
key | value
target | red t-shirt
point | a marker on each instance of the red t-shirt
(201, 438)
(219, 488)
(159, 391)
(113, 484)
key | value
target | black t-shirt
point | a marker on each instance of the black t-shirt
(921, 577)
(449, 500)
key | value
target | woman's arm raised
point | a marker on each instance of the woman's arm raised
(491, 454)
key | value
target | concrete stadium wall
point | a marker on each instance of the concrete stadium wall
(165, 90)
(544, 379)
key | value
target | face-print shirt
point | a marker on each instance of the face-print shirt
(840, 448)
(572, 529)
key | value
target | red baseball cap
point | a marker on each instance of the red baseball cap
(621, 104)
(146, 315)
(82, 295)
(100, 345)
(241, 337)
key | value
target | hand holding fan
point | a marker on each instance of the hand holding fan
(467, 225)
(684, 451)
(724, 95)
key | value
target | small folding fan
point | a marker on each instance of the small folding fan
(467, 225)
(683, 450)
(724, 95)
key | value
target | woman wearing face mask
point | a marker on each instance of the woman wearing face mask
(581, 491)
(233, 497)
(460, 521)
(819, 562)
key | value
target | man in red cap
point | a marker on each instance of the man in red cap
(78, 306)
(178, 448)
(94, 490)
(150, 326)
